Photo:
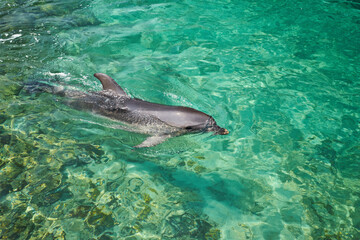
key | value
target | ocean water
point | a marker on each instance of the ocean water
(281, 76)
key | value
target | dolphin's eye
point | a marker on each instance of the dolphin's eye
(188, 128)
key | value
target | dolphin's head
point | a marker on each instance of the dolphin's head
(206, 123)
(211, 126)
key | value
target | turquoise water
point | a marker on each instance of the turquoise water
(281, 76)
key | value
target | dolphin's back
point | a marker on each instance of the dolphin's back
(176, 116)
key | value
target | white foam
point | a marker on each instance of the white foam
(10, 38)
(57, 74)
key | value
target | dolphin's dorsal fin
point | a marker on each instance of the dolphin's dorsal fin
(109, 84)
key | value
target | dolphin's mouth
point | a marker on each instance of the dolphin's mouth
(213, 127)
(223, 131)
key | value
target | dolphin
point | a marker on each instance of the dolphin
(158, 121)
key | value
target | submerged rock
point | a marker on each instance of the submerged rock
(101, 219)
(80, 211)
(20, 221)
(189, 226)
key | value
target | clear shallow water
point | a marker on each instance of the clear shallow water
(281, 76)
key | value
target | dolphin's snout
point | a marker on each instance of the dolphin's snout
(223, 131)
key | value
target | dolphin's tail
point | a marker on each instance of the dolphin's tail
(39, 87)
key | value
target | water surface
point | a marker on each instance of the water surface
(282, 76)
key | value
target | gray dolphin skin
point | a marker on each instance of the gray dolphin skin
(158, 121)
